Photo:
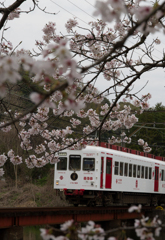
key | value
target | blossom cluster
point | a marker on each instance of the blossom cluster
(145, 229)
(137, 10)
(65, 87)
(52, 141)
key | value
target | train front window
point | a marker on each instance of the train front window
(88, 164)
(75, 162)
(62, 164)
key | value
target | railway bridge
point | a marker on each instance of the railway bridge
(14, 219)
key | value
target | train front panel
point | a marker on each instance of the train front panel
(77, 170)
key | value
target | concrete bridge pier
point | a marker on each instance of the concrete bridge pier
(13, 233)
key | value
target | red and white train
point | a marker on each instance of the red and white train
(102, 176)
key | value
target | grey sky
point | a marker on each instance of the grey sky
(28, 28)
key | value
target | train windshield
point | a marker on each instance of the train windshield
(62, 164)
(88, 164)
(75, 162)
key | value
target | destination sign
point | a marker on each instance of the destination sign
(62, 154)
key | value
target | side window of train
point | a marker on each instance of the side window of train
(126, 169)
(88, 164)
(75, 162)
(162, 175)
(116, 170)
(62, 164)
(121, 168)
(146, 172)
(150, 173)
(138, 171)
(130, 170)
(142, 172)
(134, 170)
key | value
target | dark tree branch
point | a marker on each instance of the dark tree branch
(8, 10)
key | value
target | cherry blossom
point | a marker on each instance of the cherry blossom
(143, 233)
(40, 149)
(90, 230)
(48, 30)
(64, 77)
(66, 225)
(10, 153)
(3, 159)
(1, 172)
(62, 74)
(51, 158)
(70, 24)
(135, 208)
(141, 142)
(5, 129)
(109, 13)
(14, 14)
(39, 162)
(144, 227)
(16, 160)
(47, 234)
(29, 162)
(147, 149)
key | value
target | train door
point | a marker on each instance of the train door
(156, 179)
(108, 178)
(102, 172)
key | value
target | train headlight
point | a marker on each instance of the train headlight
(57, 182)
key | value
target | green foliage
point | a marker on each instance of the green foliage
(32, 231)
(41, 173)
(151, 128)
(42, 181)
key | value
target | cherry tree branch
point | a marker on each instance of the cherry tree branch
(8, 10)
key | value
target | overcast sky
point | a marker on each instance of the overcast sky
(28, 28)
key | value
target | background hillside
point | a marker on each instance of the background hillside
(39, 194)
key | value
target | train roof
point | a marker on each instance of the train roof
(99, 149)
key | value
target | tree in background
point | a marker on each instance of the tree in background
(61, 79)
(151, 127)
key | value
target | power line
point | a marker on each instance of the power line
(68, 11)
(154, 111)
(128, 40)
(153, 123)
(88, 15)
(89, 3)
(153, 128)
(82, 10)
